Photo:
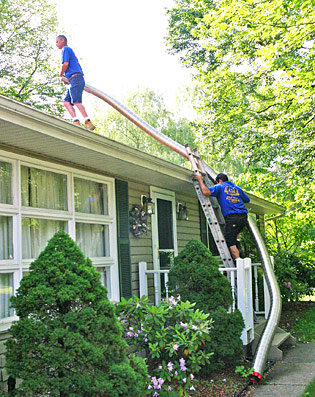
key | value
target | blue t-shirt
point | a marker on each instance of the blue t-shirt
(67, 55)
(231, 198)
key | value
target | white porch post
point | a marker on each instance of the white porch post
(245, 297)
(143, 285)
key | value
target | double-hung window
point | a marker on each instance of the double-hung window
(37, 199)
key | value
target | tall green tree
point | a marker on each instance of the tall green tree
(28, 70)
(255, 65)
(151, 108)
(255, 62)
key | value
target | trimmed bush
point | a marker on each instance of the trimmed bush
(68, 341)
(196, 277)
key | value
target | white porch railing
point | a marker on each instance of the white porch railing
(240, 278)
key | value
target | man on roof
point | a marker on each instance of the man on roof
(71, 74)
(232, 201)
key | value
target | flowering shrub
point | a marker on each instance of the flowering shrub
(295, 276)
(172, 336)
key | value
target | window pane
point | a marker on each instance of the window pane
(90, 197)
(6, 291)
(105, 278)
(43, 189)
(6, 237)
(36, 233)
(5, 183)
(93, 239)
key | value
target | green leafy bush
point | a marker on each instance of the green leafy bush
(296, 276)
(68, 340)
(172, 336)
(195, 276)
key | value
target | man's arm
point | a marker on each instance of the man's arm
(244, 196)
(203, 187)
(64, 67)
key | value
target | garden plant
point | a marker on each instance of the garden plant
(172, 337)
(68, 341)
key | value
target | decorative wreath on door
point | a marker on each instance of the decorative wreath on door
(138, 220)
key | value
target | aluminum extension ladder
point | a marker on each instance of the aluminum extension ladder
(208, 208)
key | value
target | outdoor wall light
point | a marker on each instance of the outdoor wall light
(182, 212)
(147, 204)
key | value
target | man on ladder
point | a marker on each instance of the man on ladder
(231, 199)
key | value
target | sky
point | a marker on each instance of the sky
(121, 46)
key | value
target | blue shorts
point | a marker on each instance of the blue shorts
(74, 92)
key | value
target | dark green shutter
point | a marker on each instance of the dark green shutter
(124, 263)
(205, 233)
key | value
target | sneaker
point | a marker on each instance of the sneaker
(77, 122)
(89, 125)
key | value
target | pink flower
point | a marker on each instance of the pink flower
(184, 380)
(170, 366)
(175, 347)
(192, 376)
(182, 365)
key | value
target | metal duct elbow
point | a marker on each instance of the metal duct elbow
(267, 335)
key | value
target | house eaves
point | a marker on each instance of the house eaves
(29, 131)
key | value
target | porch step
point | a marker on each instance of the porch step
(280, 340)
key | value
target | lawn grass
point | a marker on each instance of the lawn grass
(310, 390)
(304, 328)
(299, 320)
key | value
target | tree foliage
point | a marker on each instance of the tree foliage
(67, 340)
(27, 65)
(255, 66)
(151, 108)
(255, 63)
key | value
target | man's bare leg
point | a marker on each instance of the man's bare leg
(234, 252)
(70, 109)
(87, 122)
(81, 109)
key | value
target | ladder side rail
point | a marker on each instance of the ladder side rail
(210, 214)
(213, 222)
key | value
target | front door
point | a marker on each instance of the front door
(164, 236)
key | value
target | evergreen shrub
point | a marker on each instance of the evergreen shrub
(195, 276)
(68, 341)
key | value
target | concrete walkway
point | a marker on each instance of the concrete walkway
(288, 378)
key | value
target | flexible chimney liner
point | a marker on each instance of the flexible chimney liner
(275, 304)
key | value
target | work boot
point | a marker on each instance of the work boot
(89, 125)
(77, 122)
